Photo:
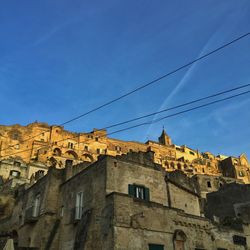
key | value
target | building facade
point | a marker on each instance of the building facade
(54, 146)
(118, 202)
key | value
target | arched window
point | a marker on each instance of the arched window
(57, 152)
(179, 240)
(87, 157)
(166, 164)
(172, 165)
(179, 166)
(71, 155)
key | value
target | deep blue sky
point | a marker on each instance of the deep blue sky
(60, 58)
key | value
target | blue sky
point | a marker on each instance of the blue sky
(62, 58)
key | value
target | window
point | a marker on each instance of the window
(98, 151)
(79, 206)
(36, 207)
(179, 240)
(118, 148)
(17, 163)
(86, 148)
(155, 247)
(241, 174)
(96, 138)
(209, 184)
(192, 153)
(62, 211)
(139, 192)
(15, 136)
(68, 163)
(70, 145)
(15, 173)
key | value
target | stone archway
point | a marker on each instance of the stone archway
(57, 152)
(87, 157)
(70, 154)
(179, 240)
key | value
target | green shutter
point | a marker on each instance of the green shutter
(147, 196)
(131, 189)
(155, 247)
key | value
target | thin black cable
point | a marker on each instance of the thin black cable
(179, 113)
(145, 123)
(140, 87)
(175, 107)
(156, 80)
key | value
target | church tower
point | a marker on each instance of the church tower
(164, 139)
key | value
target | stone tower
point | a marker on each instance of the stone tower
(164, 139)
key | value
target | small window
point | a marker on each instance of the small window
(192, 153)
(98, 151)
(79, 206)
(96, 138)
(155, 247)
(62, 211)
(70, 145)
(15, 136)
(241, 174)
(139, 192)
(15, 173)
(17, 163)
(68, 163)
(209, 184)
(86, 148)
(118, 148)
(36, 207)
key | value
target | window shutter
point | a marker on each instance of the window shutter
(147, 196)
(131, 189)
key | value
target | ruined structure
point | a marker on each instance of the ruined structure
(118, 202)
(54, 146)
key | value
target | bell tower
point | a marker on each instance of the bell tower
(164, 139)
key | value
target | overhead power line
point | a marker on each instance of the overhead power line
(144, 123)
(141, 87)
(157, 79)
(177, 106)
(179, 113)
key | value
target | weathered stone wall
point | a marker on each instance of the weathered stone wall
(182, 199)
(121, 173)
(221, 203)
(91, 181)
(138, 223)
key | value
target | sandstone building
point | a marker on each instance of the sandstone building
(54, 146)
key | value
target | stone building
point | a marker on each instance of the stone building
(54, 146)
(117, 202)
(229, 202)
(14, 171)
